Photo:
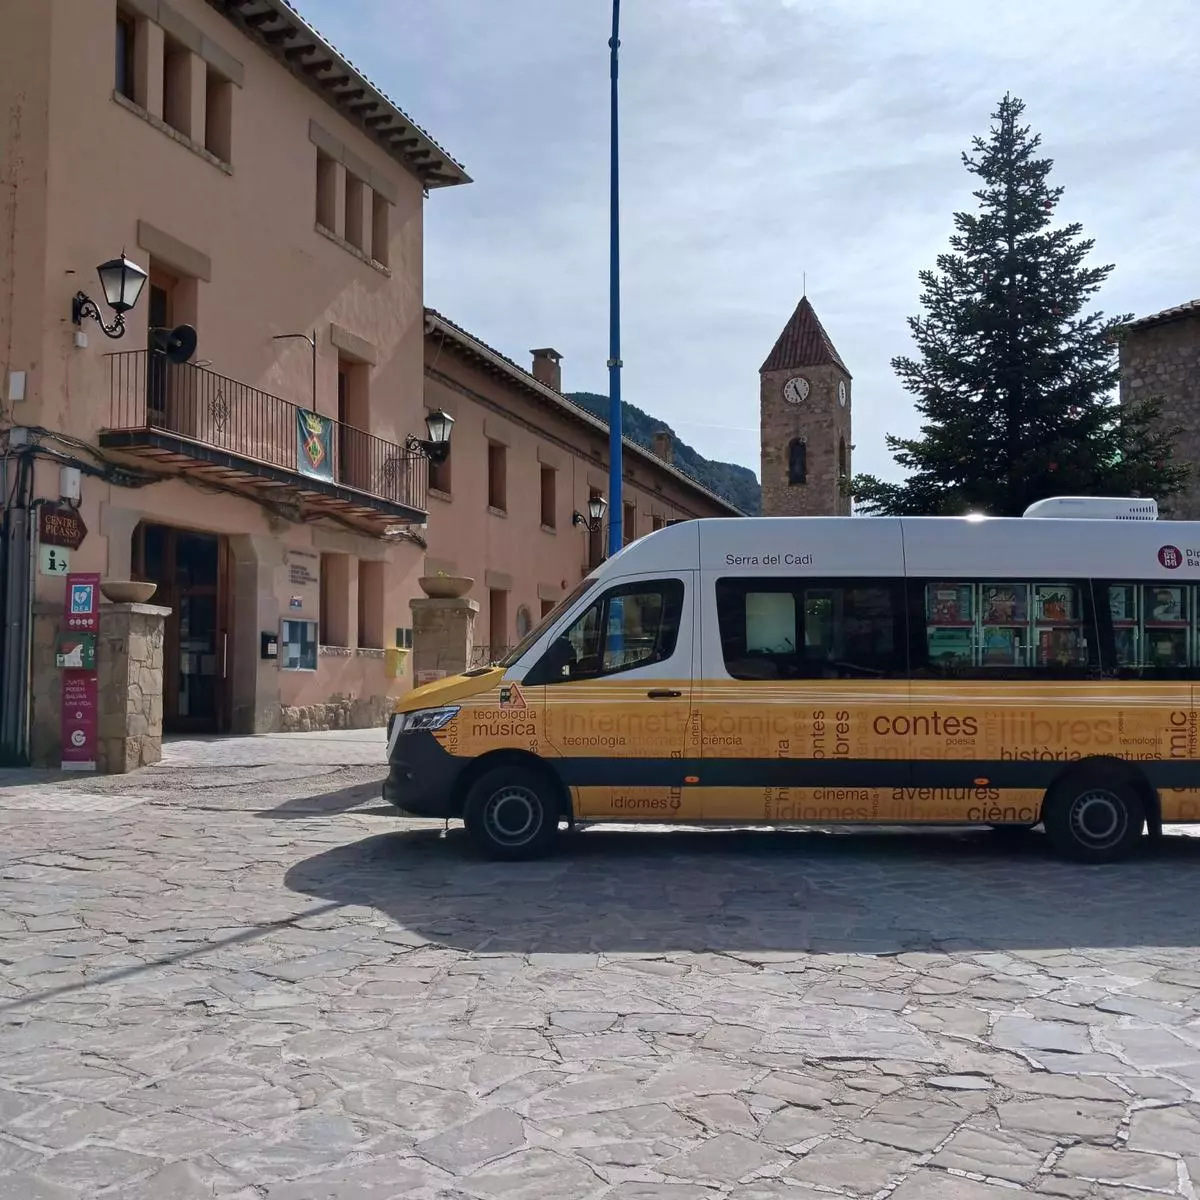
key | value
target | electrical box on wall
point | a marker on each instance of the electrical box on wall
(269, 645)
(70, 484)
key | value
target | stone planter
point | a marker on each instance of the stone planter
(127, 591)
(445, 587)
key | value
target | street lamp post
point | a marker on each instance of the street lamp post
(616, 505)
(311, 339)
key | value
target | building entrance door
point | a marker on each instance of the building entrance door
(192, 573)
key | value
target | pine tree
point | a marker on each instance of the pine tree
(1015, 380)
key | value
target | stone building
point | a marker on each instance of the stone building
(805, 415)
(1160, 360)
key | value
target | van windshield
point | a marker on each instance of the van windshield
(528, 640)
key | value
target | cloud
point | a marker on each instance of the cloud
(762, 140)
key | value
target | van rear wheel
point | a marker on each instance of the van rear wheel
(512, 813)
(1092, 819)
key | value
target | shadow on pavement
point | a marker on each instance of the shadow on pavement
(826, 892)
(331, 802)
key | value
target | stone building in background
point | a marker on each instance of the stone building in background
(1160, 359)
(805, 422)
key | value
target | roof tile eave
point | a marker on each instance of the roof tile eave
(287, 10)
(1178, 312)
(473, 343)
(803, 342)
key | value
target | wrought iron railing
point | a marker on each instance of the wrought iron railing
(149, 392)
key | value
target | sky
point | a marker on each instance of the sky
(764, 143)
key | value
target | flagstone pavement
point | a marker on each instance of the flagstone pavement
(238, 975)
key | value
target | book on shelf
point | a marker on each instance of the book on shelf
(1164, 606)
(1125, 642)
(1004, 604)
(1122, 602)
(1167, 647)
(1056, 603)
(1061, 647)
(950, 604)
(949, 646)
(1001, 646)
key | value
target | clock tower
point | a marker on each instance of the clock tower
(804, 398)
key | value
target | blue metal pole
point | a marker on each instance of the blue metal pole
(616, 510)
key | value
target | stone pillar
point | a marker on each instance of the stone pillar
(129, 660)
(129, 666)
(443, 637)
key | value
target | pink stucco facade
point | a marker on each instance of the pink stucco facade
(239, 244)
(520, 441)
(268, 189)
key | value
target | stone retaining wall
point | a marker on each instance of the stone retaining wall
(339, 712)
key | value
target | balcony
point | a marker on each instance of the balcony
(184, 419)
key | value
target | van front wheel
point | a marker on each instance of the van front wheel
(512, 813)
(1092, 819)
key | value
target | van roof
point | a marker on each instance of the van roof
(954, 547)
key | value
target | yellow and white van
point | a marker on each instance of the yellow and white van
(773, 671)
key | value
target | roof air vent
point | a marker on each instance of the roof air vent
(1095, 508)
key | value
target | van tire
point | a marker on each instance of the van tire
(512, 813)
(1091, 817)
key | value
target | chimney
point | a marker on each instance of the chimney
(664, 445)
(547, 368)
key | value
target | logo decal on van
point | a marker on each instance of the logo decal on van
(510, 696)
(1170, 557)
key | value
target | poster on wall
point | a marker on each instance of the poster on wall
(302, 585)
(314, 445)
(80, 720)
(83, 602)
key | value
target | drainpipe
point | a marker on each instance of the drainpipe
(18, 569)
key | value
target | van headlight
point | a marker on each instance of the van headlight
(425, 720)
(421, 719)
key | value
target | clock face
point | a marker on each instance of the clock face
(796, 390)
(842, 393)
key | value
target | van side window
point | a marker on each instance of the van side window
(1153, 629)
(1003, 629)
(632, 625)
(811, 629)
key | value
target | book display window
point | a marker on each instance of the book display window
(1002, 624)
(1153, 625)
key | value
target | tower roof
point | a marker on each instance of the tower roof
(803, 343)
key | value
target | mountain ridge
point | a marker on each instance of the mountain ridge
(731, 482)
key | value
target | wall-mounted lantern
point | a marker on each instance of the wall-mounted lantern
(597, 506)
(436, 446)
(122, 282)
